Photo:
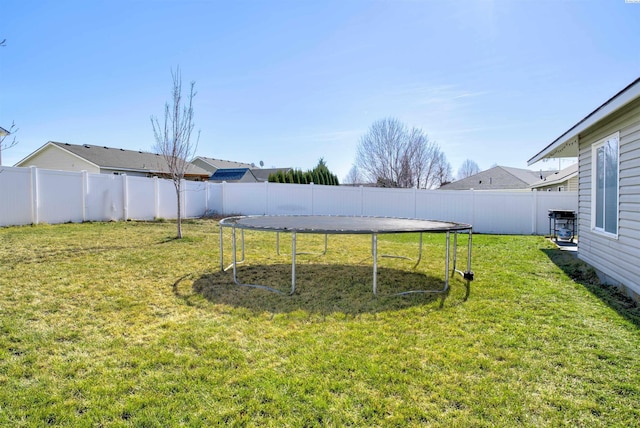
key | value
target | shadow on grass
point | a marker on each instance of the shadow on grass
(581, 273)
(322, 289)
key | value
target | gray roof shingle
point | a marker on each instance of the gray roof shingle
(498, 178)
(224, 164)
(121, 159)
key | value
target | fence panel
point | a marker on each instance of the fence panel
(141, 198)
(104, 200)
(503, 212)
(195, 199)
(60, 196)
(290, 199)
(214, 198)
(332, 200)
(167, 201)
(244, 198)
(15, 196)
(388, 202)
(445, 205)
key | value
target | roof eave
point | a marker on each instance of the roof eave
(566, 145)
(553, 182)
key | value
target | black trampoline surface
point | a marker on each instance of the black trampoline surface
(340, 224)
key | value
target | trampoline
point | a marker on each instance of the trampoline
(350, 225)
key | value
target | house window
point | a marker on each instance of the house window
(604, 199)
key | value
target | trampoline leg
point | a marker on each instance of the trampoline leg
(446, 270)
(374, 250)
(221, 252)
(235, 261)
(233, 250)
(469, 265)
(455, 250)
(242, 239)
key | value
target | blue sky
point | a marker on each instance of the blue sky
(289, 82)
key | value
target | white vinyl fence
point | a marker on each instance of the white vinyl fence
(32, 196)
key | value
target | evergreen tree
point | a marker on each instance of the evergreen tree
(320, 174)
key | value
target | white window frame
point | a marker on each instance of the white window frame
(594, 181)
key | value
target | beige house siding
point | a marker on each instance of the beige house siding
(617, 258)
(52, 157)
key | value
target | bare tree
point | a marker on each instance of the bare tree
(392, 155)
(467, 169)
(173, 137)
(443, 172)
(3, 136)
(353, 177)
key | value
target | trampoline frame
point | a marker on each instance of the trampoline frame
(444, 227)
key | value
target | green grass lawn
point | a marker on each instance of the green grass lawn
(117, 324)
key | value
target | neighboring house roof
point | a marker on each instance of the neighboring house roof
(566, 145)
(3, 132)
(262, 174)
(110, 158)
(557, 177)
(223, 164)
(498, 178)
(230, 174)
(237, 174)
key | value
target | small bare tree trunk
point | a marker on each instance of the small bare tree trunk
(179, 221)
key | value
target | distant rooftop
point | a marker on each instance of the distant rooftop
(122, 159)
(224, 164)
(229, 174)
(557, 177)
(498, 178)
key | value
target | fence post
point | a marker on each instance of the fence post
(34, 195)
(156, 198)
(312, 201)
(85, 190)
(473, 207)
(125, 197)
(206, 198)
(223, 186)
(534, 214)
(266, 197)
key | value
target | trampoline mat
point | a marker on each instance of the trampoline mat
(340, 224)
